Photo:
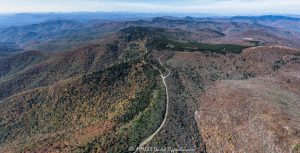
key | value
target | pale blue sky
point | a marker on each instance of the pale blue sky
(225, 7)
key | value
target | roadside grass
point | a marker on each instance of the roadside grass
(296, 148)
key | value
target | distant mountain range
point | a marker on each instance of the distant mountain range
(69, 34)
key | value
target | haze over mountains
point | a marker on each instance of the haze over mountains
(91, 82)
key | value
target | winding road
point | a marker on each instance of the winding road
(167, 106)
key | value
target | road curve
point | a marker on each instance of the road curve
(167, 106)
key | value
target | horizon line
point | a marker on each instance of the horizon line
(138, 12)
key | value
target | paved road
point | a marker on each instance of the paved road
(167, 106)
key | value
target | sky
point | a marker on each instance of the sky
(218, 7)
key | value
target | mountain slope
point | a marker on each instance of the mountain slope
(257, 115)
(193, 87)
(48, 117)
(46, 98)
(18, 76)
